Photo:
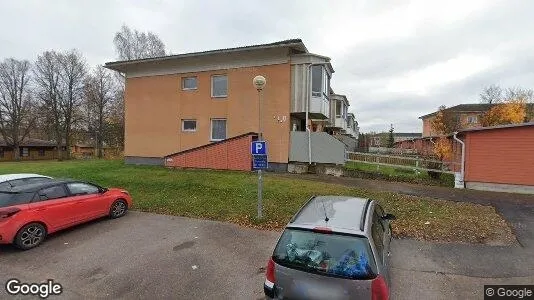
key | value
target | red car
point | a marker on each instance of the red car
(29, 212)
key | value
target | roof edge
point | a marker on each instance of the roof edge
(279, 44)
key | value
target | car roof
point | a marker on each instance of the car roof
(344, 214)
(33, 187)
(9, 177)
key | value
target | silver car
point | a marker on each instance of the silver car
(335, 247)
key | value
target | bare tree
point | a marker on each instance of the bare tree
(47, 74)
(99, 92)
(73, 73)
(133, 44)
(492, 94)
(16, 108)
(59, 79)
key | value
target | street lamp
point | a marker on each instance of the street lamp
(259, 83)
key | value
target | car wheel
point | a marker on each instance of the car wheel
(30, 236)
(118, 209)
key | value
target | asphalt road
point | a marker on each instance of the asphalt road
(146, 255)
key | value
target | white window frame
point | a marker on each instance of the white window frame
(340, 102)
(321, 92)
(189, 89)
(225, 129)
(189, 130)
(219, 96)
(474, 118)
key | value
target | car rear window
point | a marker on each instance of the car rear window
(339, 255)
(10, 199)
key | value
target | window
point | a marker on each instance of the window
(218, 129)
(80, 188)
(189, 125)
(219, 86)
(317, 81)
(336, 255)
(53, 192)
(377, 232)
(24, 152)
(31, 180)
(189, 83)
(338, 108)
(41, 152)
(10, 199)
(1, 152)
(472, 119)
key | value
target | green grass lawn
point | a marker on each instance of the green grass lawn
(231, 196)
(398, 174)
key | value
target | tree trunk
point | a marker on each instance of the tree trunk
(59, 152)
(67, 143)
(16, 152)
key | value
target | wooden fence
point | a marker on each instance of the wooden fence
(414, 163)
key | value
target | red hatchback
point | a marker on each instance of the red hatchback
(28, 213)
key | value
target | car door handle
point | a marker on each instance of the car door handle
(41, 209)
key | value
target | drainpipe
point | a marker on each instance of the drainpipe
(308, 97)
(462, 174)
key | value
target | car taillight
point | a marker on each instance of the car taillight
(8, 212)
(269, 274)
(379, 289)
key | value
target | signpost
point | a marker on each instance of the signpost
(258, 149)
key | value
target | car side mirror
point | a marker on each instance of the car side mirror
(43, 196)
(390, 217)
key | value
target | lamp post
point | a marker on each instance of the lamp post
(259, 83)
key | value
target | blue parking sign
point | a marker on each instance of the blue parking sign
(258, 148)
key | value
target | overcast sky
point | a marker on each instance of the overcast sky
(395, 60)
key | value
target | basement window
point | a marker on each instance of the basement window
(189, 125)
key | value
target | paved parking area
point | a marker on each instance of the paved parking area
(146, 255)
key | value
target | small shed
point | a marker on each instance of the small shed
(500, 158)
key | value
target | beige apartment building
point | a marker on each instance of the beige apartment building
(180, 102)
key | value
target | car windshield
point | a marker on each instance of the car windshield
(10, 199)
(345, 256)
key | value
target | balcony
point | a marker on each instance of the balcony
(340, 123)
(310, 82)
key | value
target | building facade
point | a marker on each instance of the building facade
(180, 102)
(466, 116)
(30, 149)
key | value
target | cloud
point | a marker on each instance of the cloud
(395, 60)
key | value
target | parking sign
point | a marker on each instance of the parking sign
(258, 148)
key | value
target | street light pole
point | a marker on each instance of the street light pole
(260, 171)
(259, 82)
